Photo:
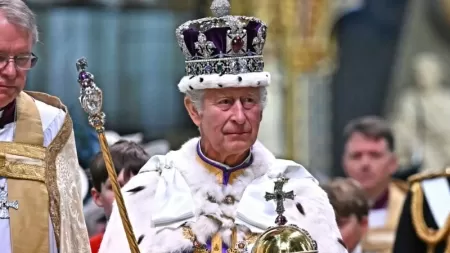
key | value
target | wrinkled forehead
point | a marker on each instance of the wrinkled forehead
(233, 92)
(14, 38)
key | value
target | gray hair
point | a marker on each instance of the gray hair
(18, 13)
(196, 96)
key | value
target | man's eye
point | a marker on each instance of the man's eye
(225, 101)
(355, 156)
(248, 100)
(22, 60)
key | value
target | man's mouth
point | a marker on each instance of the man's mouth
(237, 133)
(3, 86)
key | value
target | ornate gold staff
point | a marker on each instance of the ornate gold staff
(91, 100)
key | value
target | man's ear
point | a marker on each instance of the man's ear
(193, 112)
(96, 196)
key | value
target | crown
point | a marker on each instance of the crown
(223, 44)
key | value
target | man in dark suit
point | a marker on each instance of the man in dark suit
(424, 226)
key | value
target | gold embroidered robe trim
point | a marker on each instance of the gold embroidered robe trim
(28, 122)
(62, 179)
(381, 240)
(52, 151)
(59, 161)
(29, 224)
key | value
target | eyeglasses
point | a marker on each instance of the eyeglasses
(23, 62)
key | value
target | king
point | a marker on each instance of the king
(209, 196)
(40, 203)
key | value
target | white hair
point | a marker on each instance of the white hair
(18, 13)
(196, 96)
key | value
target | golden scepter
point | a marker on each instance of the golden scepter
(91, 100)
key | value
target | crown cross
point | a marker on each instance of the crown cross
(203, 46)
(220, 8)
(259, 41)
(279, 196)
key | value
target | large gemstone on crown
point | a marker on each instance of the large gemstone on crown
(237, 44)
(220, 67)
(208, 68)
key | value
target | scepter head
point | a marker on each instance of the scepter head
(91, 97)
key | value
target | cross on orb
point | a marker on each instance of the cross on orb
(279, 196)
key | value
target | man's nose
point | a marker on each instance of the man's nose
(238, 113)
(9, 70)
(365, 162)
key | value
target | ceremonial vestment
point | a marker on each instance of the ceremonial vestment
(41, 208)
(185, 202)
(383, 218)
(424, 226)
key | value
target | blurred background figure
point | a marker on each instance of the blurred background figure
(128, 158)
(369, 159)
(422, 120)
(352, 209)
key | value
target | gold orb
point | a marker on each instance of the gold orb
(285, 239)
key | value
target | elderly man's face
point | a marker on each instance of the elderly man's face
(14, 41)
(229, 119)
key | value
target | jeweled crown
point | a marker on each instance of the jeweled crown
(223, 44)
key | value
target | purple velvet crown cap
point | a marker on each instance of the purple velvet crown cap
(224, 44)
(241, 44)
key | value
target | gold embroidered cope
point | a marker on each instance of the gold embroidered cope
(31, 171)
(382, 239)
